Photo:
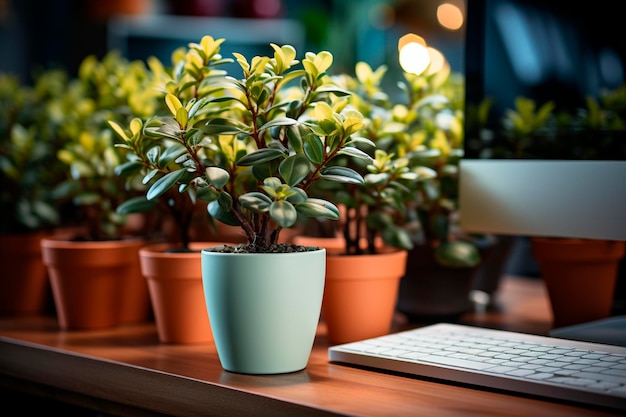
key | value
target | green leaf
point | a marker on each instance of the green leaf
(218, 213)
(355, 152)
(149, 176)
(294, 169)
(220, 127)
(397, 237)
(272, 183)
(362, 140)
(225, 201)
(261, 155)
(283, 213)
(128, 169)
(298, 196)
(217, 176)
(207, 193)
(170, 154)
(332, 89)
(255, 201)
(153, 154)
(342, 174)
(283, 121)
(457, 254)
(295, 134)
(314, 207)
(313, 148)
(164, 183)
(138, 204)
(265, 169)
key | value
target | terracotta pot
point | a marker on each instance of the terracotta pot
(360, 291)
(580, 276)
(88, 279)
(175, 287)
(135, 305)
(24, 286)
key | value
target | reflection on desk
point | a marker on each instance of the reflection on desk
(126, 371)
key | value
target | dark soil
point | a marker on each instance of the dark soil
(251, 248)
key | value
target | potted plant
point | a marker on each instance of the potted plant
(111, 88)
(369, 248)
(443, 262)
(251, 146)
(408, 200)
(28, 171)
(580, 274)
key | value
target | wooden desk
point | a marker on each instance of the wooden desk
(126, 371)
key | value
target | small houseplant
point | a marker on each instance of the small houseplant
(28, 130)
(409, 196)
(104, 89)
(443, 262)
(28, 171)
(251, 147)
(112, 88)
(369, 259)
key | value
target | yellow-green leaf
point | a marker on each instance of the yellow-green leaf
(119, 130)
(322, 111)
(323, 61)
(173, 103)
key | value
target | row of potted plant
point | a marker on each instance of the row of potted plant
(283, 145)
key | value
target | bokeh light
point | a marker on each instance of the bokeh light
(450, 16)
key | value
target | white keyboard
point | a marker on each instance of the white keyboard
(587, 373)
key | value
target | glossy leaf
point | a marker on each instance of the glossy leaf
(128, 169)
(207, 193)
(259, 156)
(314, 207)
(255, 201)
(294, 169)
(138, 204)
(342, 174)
(313, 148)
(284, 121)
(355, 153)
(164, 183)
(283, 213)
(218, 213)
(217, 176)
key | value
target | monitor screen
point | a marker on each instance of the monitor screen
(567, 177)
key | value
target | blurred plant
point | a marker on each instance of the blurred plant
(544, 130)
(109, 89)
(410, 193)
(29, 140)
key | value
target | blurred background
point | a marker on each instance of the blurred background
(60, 33)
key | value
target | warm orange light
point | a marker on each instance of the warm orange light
(450, 16)
(410, 38)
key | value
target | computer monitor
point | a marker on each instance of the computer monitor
(543, 50)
